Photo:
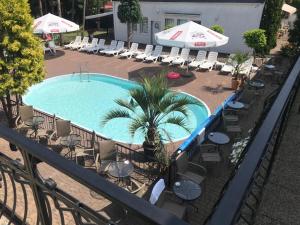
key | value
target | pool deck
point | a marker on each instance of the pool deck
(211, 87)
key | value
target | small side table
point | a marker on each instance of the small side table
(236, 105)
(218, 138)
(187, 190)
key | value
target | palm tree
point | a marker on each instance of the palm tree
(152, 106)
(238, 60)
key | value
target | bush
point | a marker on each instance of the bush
(290, 50)
(256, 39)
(218, 28)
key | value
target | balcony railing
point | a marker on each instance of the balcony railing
(241, 195)
(21, 179)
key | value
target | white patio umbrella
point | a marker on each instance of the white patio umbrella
(53, 24)
(190, 35)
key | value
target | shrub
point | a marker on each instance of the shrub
(255, 39)
(218, 28)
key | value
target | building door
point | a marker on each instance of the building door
(155, 27)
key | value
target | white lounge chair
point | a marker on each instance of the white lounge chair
(89, 45)
(229, 66)
(130, 52)
(75, 42)
(100, 46)
(184, 56)
(200, 58)
(210, 62)
(117, 50)
(84, 41)
(112, 46)
(173, 55)
(51, 48)
(146, 53)
(155, 54)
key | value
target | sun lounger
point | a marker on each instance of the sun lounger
(117, 50)
(89, 45)
(155, 54)
(100, 46)
(130, 52)
(210, 61)
(84, 41)
(229, 66)
(112, 46)
(75, 42)
(184, 56)
(200, 58)
(146, 53)
(173, 55)
(51, 48)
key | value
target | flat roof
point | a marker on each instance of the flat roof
(207, 1)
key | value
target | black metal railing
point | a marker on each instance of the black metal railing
(21, 180)
(240, 195)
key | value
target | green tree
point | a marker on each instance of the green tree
(152, 106)
(129, 12)
(21, 54)
(255, 39)
(218, 28)
(270, 22)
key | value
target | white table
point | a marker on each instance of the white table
(236, 105)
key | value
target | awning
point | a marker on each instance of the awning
(98, 15)
(289, 9)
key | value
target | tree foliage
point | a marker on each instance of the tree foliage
(218, 28)
(255, 39)
(129, 12)
(238, 60)
(21, 53)
(151, 106)
(270, 22)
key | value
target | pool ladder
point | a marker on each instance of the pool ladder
(84, 74)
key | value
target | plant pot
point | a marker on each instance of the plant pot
(149, 150)
(241, 83)
(234, 84)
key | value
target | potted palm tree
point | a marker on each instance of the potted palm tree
(238, 60)
(151, 106)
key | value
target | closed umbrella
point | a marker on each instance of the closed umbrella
(53, 24)
(190, 35)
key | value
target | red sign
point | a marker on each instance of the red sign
(200, 44)
(214, 34)
(176, 35)
(54, 31)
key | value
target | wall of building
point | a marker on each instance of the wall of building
(236, 18)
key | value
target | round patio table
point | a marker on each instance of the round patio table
(120, 169)
(236, 105)
(187, 190)
(256, 84)
(34, 123)
(218, 138)
(70, 141)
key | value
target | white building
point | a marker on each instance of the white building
(235, 16)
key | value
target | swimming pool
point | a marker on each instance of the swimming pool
(85, 99)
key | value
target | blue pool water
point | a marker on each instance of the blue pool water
(85, 100)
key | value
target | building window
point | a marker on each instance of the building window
(181, 21)
(134, 27)
(197, 21)
(169, 23)
(144, 25)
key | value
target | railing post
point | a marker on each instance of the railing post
(39, 197)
